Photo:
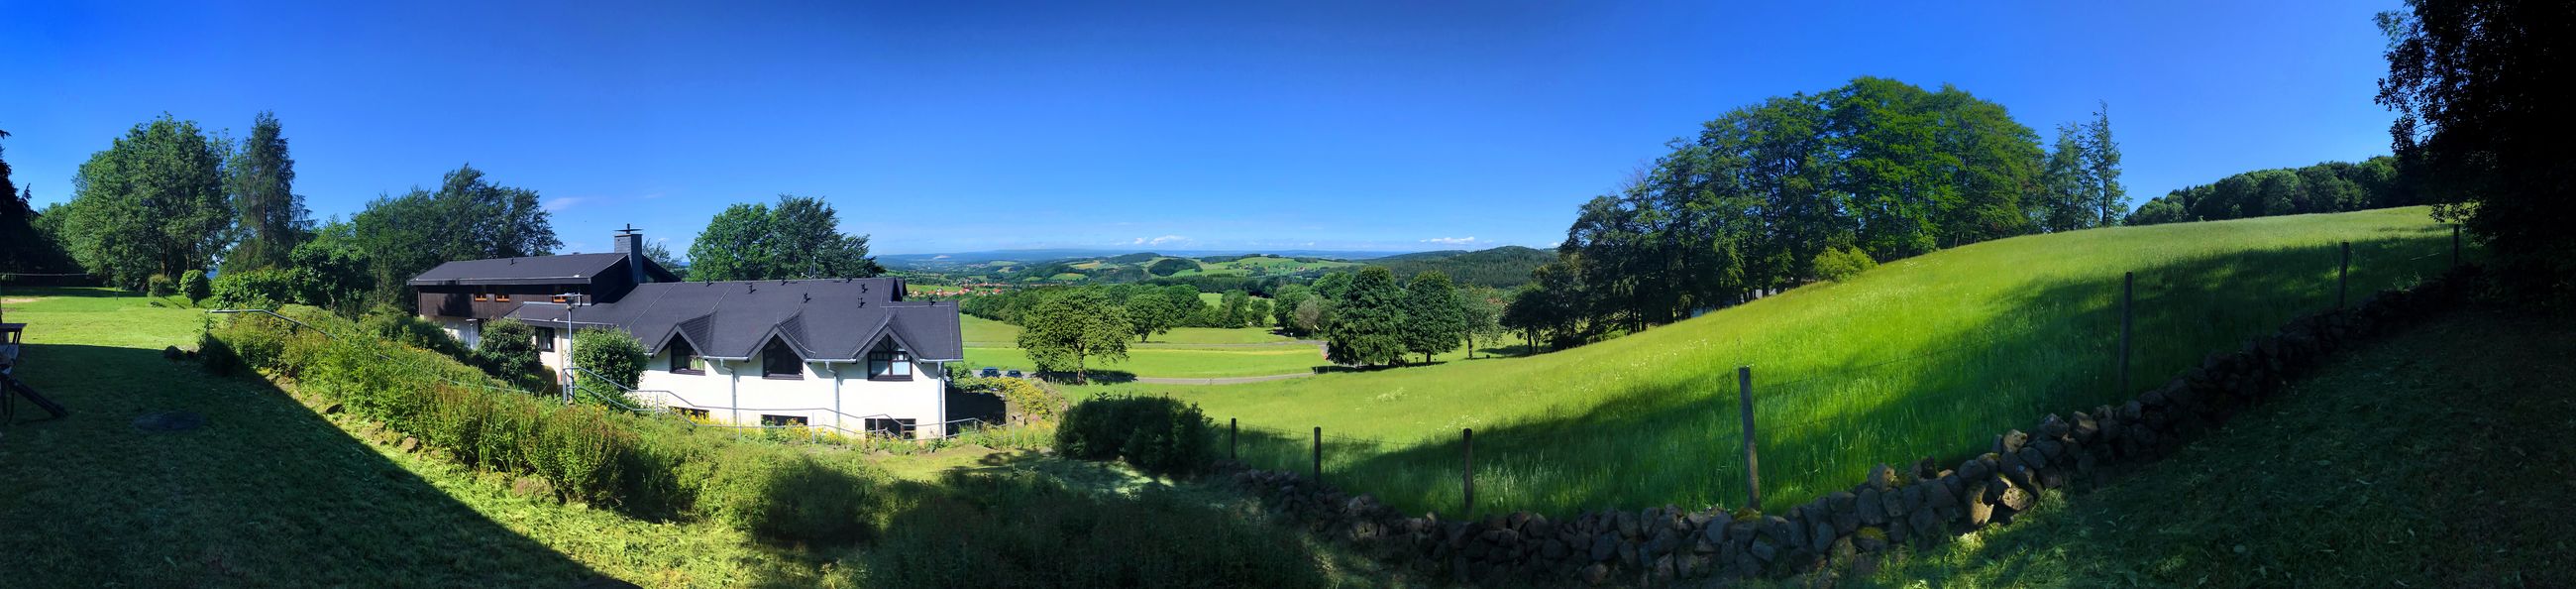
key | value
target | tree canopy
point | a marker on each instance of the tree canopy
(151, 204)
(468, 218)
(1069, 329)
(2479, 90)
(1368, 320)
(273, 219)
(799, 238)
(2327, 187)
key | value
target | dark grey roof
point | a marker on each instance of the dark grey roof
(527, 270)
(829, 319)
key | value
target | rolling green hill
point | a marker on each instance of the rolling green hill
(1929, 355)
(1503, 267)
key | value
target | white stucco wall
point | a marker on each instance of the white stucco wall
(730, 384)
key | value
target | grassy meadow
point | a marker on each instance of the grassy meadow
(1928, 356)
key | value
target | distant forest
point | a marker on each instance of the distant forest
(2329, 187)
(1503, 267)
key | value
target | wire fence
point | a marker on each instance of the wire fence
(1817, 422)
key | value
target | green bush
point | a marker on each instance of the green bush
(609, 352)
(192, 284)
(265, 288)
(1158, 435)
(642, 464)
(158, 285)
(509, 350)
(1838, 264)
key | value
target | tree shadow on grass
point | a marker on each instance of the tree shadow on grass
(265, 493)
(1820, 427)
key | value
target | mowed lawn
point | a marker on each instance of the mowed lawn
(1928, 356)
(269, 492)
(2435, 458)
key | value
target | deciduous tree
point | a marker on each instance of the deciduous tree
(1068, 330)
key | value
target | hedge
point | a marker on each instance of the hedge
(646, 465)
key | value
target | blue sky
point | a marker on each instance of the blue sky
(953, 126)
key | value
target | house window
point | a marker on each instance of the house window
(900, 428)
(782, 420)
(888, 362)
(502, 298)
(684, 359)
(545, 339)
(481, 297)
(694, 414)
(776, 361)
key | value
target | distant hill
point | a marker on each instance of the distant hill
(1503, 267)
(938, 261)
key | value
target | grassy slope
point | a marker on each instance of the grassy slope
(269, 492)
(1983, 337)
(2434, 459)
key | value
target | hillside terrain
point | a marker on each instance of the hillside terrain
(1501, 267)
(1923, 356)
(2384, 431)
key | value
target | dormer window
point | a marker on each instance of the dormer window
(889, 362)
(684, 359)
(778, 361)
(482, 297)
(502, 297)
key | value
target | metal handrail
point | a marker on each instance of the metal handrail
(572, 371)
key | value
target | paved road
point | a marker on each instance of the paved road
(1227, 380)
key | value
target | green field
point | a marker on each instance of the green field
(981, 332)
(1177, 362)
(2349, 479)
(1931, 355)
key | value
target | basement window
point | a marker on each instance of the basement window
(898, 428)
(783, 420)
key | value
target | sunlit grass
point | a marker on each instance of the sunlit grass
(1929, 356)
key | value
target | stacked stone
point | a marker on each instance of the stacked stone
(1922, 504)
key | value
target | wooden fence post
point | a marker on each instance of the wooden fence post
(1233, 440)
(1319, 454)
(1752, 465)
(1467, 448)
(2128, 314)
(2341, 274)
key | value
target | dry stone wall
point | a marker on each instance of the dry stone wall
(1923, 504)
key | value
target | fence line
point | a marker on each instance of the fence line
(2344, 260)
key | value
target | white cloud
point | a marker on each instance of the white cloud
(558, 204)
(1158, 240)
(1451, 240)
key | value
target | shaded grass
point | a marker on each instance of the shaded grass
(1928, 356)
(2432, 459)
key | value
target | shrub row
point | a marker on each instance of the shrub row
(1158, 435)
(648, 465)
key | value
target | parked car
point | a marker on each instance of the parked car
(989, 372)
(1015, 374)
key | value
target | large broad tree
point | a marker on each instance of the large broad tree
(799, 238)
(1150, 313)
(272, 218)
(731, 247)
(152, 203)
(2480, 91)
(1368, 321)
(468, 218)
(1068, 330)
(1434, 322)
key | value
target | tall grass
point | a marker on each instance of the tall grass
(647, 465)
(1927, 356)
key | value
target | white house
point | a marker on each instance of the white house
(846, 354)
